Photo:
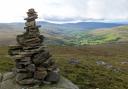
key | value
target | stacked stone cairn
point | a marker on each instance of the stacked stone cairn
(34, 64)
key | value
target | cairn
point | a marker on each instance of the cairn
(34, 64)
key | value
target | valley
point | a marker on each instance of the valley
(95, 58)
(83, 33)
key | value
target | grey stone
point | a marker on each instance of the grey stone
(62, 84)
(28, 81)
(53, 77)
(22, 76)
(40, 75)
(101, 63)
(32, 23)
(20, 70)
(74, 61)
(33, 62)
(108, 66)
(124, 62)
(8, 75)
(40, 57)
(31, 68)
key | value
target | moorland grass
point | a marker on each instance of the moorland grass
(87, 74)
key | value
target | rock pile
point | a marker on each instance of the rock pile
(34, 64)
(7, 81)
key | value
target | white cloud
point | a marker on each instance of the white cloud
(14, 10)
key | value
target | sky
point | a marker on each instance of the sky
(64, 10)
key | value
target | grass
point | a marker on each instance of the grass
(87, 74)
(6, 63)
(91, 39)
(99, 36)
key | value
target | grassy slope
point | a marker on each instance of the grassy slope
(118, 32)
(87, 74)
(91, 37)
(99, 36)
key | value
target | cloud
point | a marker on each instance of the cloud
(108, 9)
(57, 10)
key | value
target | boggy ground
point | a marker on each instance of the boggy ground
(90, 67)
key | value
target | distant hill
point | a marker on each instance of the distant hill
(99, 36)
(120, 33)
(70, 28)
(57, 34)
(63, 28)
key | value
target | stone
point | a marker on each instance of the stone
(53, 77)
(29, 81)
(101, 63)
(31, 68)
(34, 64)
(124, 62)
(21, 70)
(21, 76)
(40, 57)
(40, 75)
(14, 50)
(32, 23)
(17, 57)
(62, 84)
(7, 76)
(74, 61)
(48, 62)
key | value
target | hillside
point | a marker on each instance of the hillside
(90, 67)
(100, 36)
(62, 34)
(68, 28)
(120, 34)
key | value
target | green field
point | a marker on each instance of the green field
(99, 36)
(100, 66)
(89, 37)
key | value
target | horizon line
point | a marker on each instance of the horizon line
(75, 21)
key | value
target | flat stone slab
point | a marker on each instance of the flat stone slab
(8, 82)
